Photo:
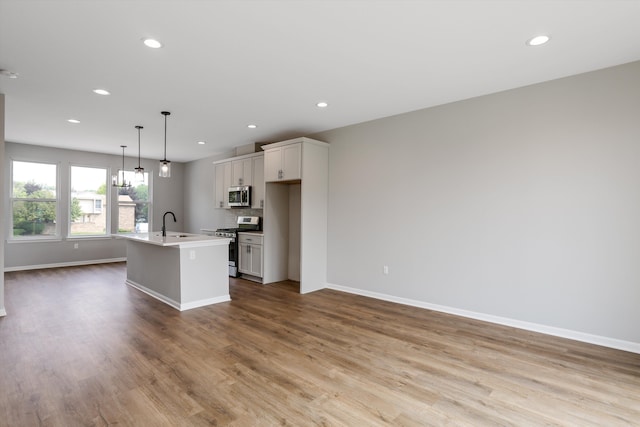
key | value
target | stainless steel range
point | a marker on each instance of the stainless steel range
(245, 223)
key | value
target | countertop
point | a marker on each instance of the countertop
(174, 238)
(212, 230)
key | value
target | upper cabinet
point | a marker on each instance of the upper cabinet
(283, 163)
(242, 170)
(222, 184)
(257, 188)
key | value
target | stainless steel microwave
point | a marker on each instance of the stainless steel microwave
(239, 197)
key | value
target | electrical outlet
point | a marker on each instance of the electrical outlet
(75, 246)
(385, 269)
(192, 254)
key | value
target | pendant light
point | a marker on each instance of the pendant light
(165, 165)
(139, 171)
(118, 180)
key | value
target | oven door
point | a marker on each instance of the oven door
(233, 257)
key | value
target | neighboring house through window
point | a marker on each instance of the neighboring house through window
(34, 200)
(88, 213)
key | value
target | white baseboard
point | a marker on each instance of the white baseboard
(630, 346)
(175, 304)
(64, 264)
(203, 302)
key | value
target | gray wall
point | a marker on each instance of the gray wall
(199, 195)
(523, 204)
(167, 195)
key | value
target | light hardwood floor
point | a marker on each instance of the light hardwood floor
(79, 347)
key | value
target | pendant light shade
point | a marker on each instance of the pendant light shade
(139, 171)
(118, 179)
(165, 165)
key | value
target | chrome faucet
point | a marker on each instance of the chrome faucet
(164, 228)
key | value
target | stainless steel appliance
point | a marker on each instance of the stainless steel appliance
(245, 223)
(239, 197)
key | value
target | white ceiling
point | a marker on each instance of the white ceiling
(226, 64)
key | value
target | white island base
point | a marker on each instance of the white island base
(182, 272)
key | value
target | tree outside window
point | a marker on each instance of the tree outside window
(34, 202)
(134, 205)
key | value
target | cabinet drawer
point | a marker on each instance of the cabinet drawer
(251, 238)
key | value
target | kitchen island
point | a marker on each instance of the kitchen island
(183, 270)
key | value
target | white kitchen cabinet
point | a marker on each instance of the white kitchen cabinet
(250, 254)
(295, 213)
(242, 172)
(222, 184)
(283, 163)
(257, 187)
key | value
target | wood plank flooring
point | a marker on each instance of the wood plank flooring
(80, 348)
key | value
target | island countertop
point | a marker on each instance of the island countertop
(173, 238)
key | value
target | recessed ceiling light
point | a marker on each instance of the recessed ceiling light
(101, 92)
(152, 43)
(202, 142)
(538, 40)
(74, 121)
(252, 126)
(322, 104)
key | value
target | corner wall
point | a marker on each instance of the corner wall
(3, 312)
(522, 205)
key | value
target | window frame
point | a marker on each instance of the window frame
(107, 182)
(57, 236)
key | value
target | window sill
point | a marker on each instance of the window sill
(95, 237)
(36, 240)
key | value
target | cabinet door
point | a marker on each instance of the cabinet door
(257, 188)
(244, 256)
(241, 172)
(256, 260)
(291, 161)
(222, 184)
(272, 164)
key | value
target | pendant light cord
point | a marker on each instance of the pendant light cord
(165, 114)
(139, 127)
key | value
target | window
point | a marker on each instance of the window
(134, 205)
(34, 200)
(88, 197)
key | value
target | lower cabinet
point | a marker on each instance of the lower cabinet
(250, 254)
